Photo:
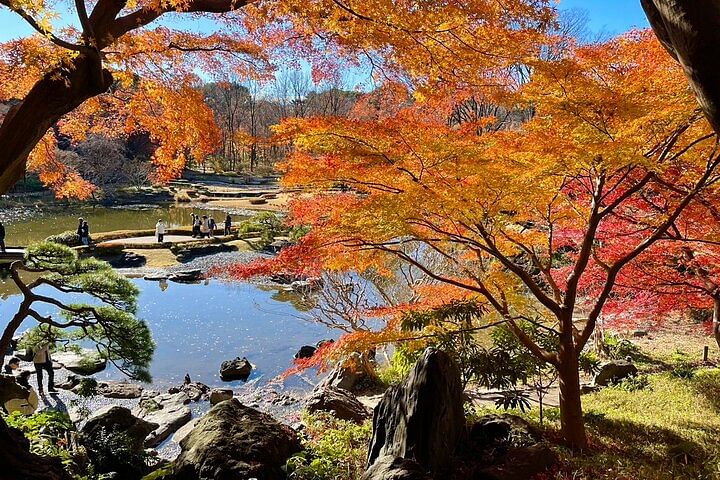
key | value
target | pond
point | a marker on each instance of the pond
(198, 326)
(29, 224)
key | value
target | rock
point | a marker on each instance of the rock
(186, 276)
(188, 253)
(586, 388)
(639, 333)
(218, 395)
(87, 362)
(341, 402)
(119, 390)
(18, 462)
(395, 468)
(352, 373)
(322, 343)
(119, 419)
(233, 441)
(168, 411)
(614, 371)
(522, 463)
(306, 351)
(185, 430)
(11, 390)
(496, 431)
(128, 260)
(422, 417)
(195, 391)
(69, 383)
(156, 277)
(238, 369)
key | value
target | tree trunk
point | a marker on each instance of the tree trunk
(690, 31)
(59, 92)
(716, 320)
(11, 328)
(571, 416)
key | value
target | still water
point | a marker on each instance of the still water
(35, 223)
(198, 326)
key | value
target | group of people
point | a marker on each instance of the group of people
(83, 231)
(42, 362)
(205, 226)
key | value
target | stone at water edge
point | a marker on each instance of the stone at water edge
(70, 382)
(218, 395)
(352, 373)
(614, 371)
(306, 351)
(238, 369)
(86, 362)
(119, 419)
(169, 411)
(196, 391)
(119, 390)
(233, 441)
(338, 401)
(422, 418)
(10, 389)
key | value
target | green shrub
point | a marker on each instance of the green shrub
(68, 238)
(619, 348)
(399, 366)
(633, 383)
(335, 449)
(682, 365)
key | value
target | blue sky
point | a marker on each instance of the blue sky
(608, 16)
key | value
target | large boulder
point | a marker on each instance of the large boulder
(306, 351)
(395, 468)
(168, 411)
(196, 391)
(614, 371)
(238, 369)
(353, 373)
(421, 418)
(11, 390)
(119, 389)
(85, 362)
(233, 441)
(342, 403)
(115, 418)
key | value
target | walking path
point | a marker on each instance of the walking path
(147, 240)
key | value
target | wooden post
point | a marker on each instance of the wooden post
(706, 351)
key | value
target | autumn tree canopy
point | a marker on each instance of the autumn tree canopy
(536, 219)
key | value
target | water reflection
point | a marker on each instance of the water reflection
(196, 327)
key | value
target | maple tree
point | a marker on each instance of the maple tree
(522, 216)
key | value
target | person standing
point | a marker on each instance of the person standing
(12, 365)
(196, 226)
(211, 227)
(228, 224)
(2, 237)
(204, 227)
(42, 362)
(160, 230)
(85, 233)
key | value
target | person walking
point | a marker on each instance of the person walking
(80, 229)
(196, 226)
(211, 227)
(85, 233)
(192, 224)
(2, 237)
(160, 230)
(42, 362)
(228, 224)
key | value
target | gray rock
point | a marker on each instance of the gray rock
(422, 418)
(196, 391)
(640, 333)
(167, 410)
(341, 402)
(233, 441)
(218, 395)
(353, 373)
(185, 430)
(395, 468)
(69, 383)
(86, 362)
(614, 371)
(119, 390)
(238, 369)
(119, 419)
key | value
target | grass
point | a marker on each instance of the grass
(669, 430)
